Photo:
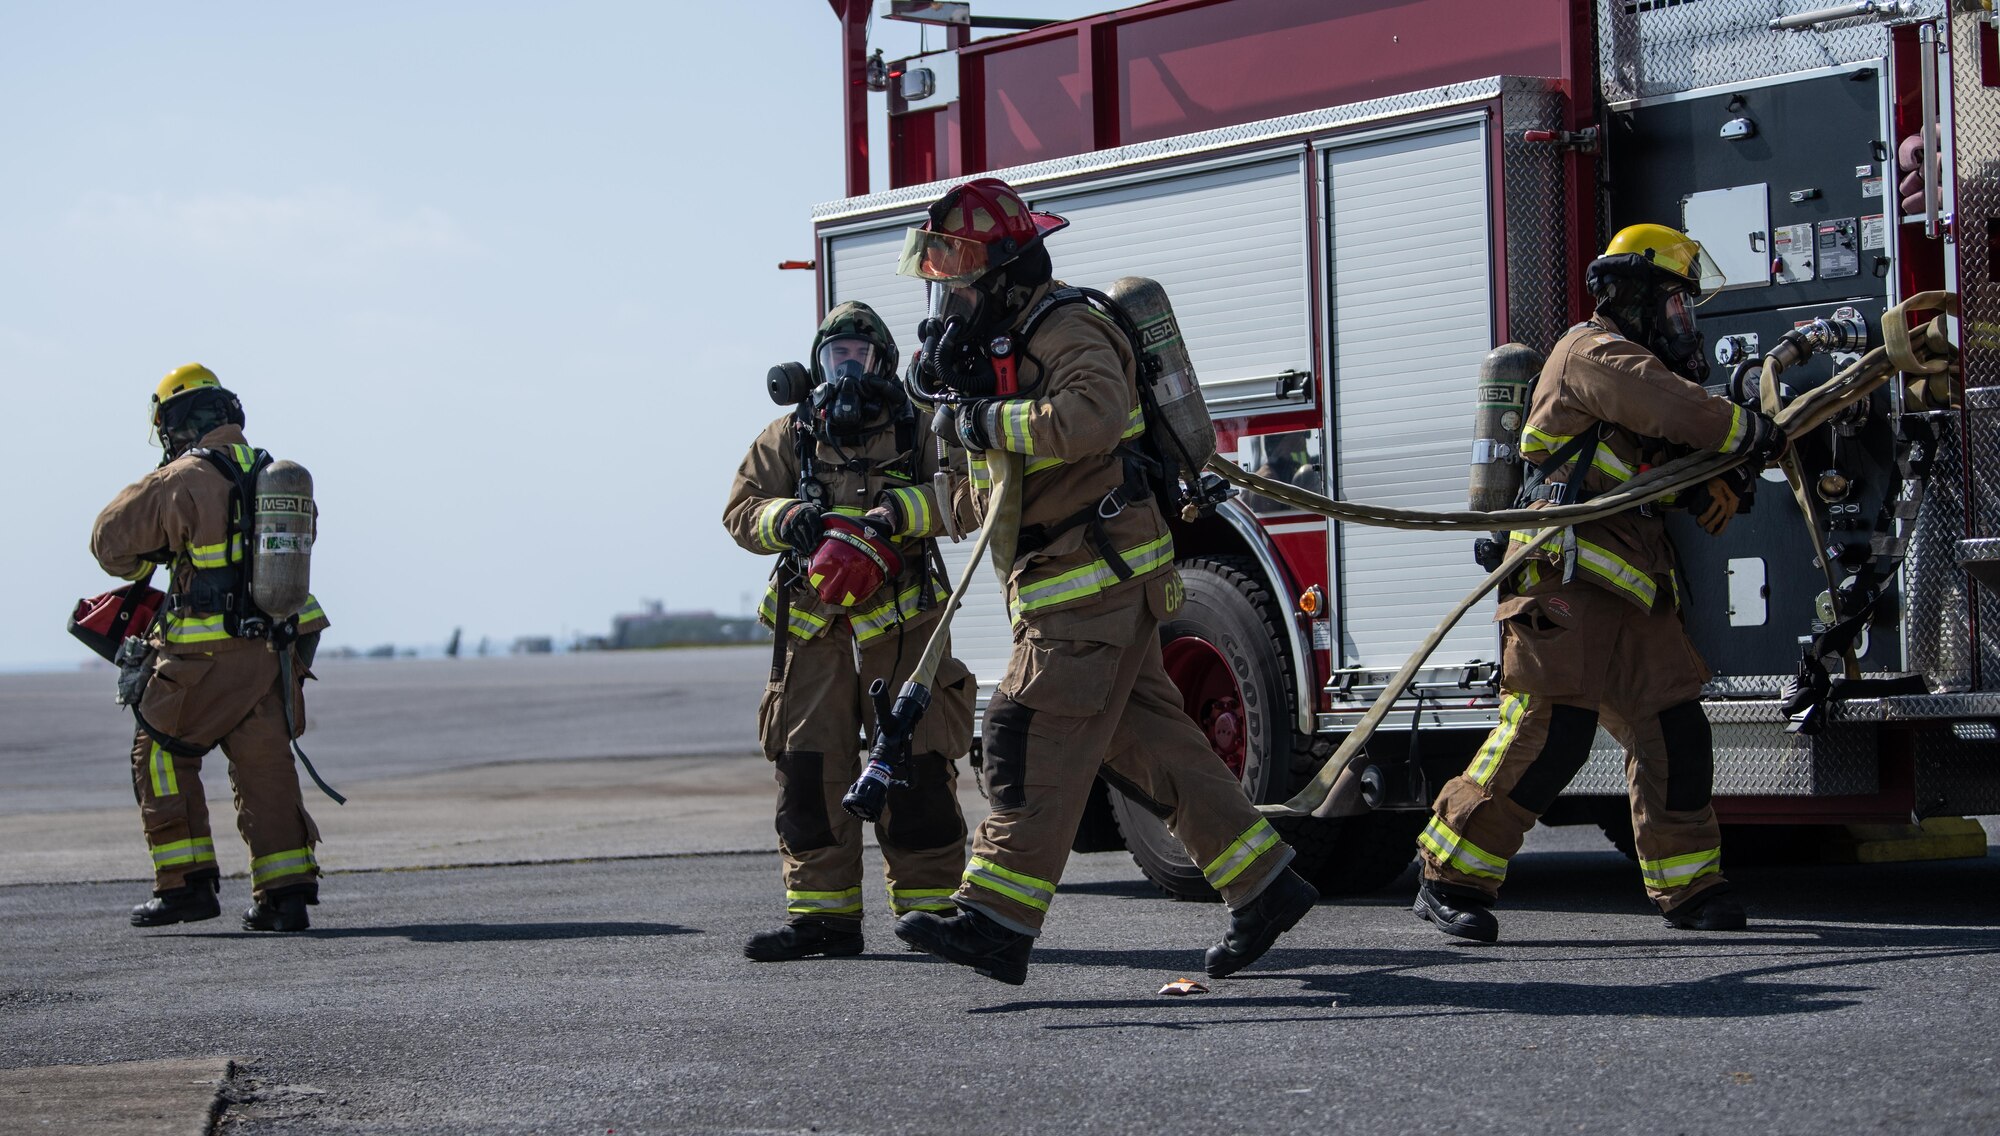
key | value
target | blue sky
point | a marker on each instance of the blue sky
(501, 275)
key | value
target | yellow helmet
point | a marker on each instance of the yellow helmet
(1672, 250)
(179, 381)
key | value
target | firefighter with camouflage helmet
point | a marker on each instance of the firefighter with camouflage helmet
(1085, 693)
(1591, 629)
(215, 676)
(842, 490)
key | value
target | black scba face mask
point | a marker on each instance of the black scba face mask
(851, 399)
(1655, 308)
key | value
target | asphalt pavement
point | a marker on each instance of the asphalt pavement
(595, 983)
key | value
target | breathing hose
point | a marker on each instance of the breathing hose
(1928, 352)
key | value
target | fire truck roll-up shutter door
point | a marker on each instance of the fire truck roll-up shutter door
(1229, 245)
(1411, 284)
(862, 266)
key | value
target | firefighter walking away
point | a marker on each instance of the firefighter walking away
(1030, 368)
(1591, 629)
(218, 667)
(841, 489)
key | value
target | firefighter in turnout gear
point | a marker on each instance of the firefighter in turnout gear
(215, 675)
(1591, 628)
(842, 491)
(1085, 693)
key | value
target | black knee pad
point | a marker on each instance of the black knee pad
(802, 820)
(1690, 756)
(924, 813)
(1571, 730)
(1004, 741)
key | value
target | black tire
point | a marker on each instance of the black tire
(1228, 607)
(1358, 855)
(1098, 830)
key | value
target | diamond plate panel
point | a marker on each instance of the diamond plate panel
(1975, 148)
(1958, 769)
(1702, 43)
(1102, 161)
(1761, 759)
(1937, 638)
(1536, 208)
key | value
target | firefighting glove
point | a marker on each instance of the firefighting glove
(1767, 443)
(800, 526)
(976, 422)
(1713, 503)
(853, 560)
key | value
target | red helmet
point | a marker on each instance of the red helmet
(852, 561)
(973, 229)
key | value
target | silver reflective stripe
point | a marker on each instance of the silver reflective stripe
(1255, 841)
(1678, 871)
(1019, 887)
(823, 902)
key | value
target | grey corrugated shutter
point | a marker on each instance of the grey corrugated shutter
(1412, 318)
(862, 266)
(1229, 245)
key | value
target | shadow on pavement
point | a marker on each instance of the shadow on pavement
(474, 932)
(1376, 983)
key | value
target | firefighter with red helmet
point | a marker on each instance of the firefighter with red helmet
(842, 490)
(1085, 693)
(215, 677)
(1591, 629)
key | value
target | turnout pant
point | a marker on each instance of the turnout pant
(230, 698)
(812, 726)
(1086, 693)
(1574, 655)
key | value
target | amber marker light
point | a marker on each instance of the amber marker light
(1311, 601)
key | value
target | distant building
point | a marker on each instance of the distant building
(657, 627)
(532, 645)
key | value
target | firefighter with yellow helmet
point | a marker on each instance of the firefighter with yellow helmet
(218, 671)
(1085, 692)
(842, 490)
(1591, 629)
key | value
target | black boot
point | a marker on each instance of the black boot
(1712, 910)
(1461, 912)
(283, 909)
(1258, 923)
(804, 939)
(972, 939)
(191, 902)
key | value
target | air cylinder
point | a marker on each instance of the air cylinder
(282, 523)
(1498, 413)
(1175, 389)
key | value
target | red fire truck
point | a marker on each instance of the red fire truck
(1351, 203)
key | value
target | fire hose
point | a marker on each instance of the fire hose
(1926, 352)
(896, 722)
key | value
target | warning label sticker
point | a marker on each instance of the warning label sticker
(1874, 232)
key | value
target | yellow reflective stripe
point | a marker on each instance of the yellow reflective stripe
(1536, 441)
(1459, 852)
(244, 455)
(1017, 886)
(195, 850)
(871, 624)
(978, 472)
(1095, 576)
(287, 863)
(1680, 871)
(1040, 464)
(844, 902)
(1256, 840)
(312, 610)
(194, 628)
(920, 899)
(767, 525)
(210, 555)
(913, 504)
(1013, 420)
(1739, 424)
(1512, 707)
(1135, 424)
(160, 765)
(1601, 562)
(803, 624)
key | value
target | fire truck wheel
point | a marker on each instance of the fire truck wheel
(1357, 855)
(1225, 649)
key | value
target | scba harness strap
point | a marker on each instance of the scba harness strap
(224, 588)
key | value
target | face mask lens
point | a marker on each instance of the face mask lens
(1679, 316)
(845, 355)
